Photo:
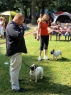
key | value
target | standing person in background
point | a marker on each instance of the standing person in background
(44, 35)
(39, 19)
(5, 28)
(15, 46)
(2, 27)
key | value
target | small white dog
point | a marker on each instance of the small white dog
(56, 53)
(35, 72)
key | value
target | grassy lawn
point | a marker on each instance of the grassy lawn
(57, 74)
(2, 40)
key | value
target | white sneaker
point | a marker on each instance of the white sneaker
(46, 58)
(39, 58)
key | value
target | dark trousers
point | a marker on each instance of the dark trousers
(44, 41)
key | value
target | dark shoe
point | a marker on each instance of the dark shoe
(20, 90)
(20, 79)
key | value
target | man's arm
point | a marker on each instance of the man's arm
(16, 32)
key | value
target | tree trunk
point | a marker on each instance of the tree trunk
(42, 7)
(25, 11)
(39, 11)
(33, 16)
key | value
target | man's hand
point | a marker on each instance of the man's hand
(21, 27)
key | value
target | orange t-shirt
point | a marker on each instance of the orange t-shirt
(43, 28)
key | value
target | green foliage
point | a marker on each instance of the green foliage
(13, 4)
(64, 8)
(16, 4)
(5, 5)
(23, 5)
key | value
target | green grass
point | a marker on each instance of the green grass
(57, 74)
(2, 40)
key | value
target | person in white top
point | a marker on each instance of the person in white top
(2, 28)
(67, 31)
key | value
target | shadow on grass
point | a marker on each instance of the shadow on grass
(46, 86)
(63, 59)
(62, 40)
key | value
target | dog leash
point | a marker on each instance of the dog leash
(25, 64)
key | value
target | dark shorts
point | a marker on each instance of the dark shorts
(59, 34)
(44, 41)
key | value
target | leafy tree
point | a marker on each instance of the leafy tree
(23, 5)
(5, 5)
(31, 6)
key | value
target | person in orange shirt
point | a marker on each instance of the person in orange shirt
(44, 35)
